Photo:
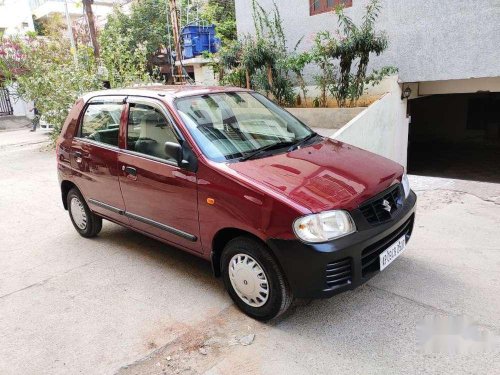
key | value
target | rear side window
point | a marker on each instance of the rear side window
(101, 122)
(148, 130)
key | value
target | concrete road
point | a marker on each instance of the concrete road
(124, 303)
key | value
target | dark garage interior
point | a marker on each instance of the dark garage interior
(455, 136)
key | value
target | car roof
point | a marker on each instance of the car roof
(167, 91)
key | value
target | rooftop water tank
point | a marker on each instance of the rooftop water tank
(199, 38)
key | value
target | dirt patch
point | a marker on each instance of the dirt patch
(201, 346)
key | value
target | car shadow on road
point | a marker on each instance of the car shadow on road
(117, 235)
(332, 311)
(170, 270)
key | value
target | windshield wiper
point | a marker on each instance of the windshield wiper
(260, 150)
(301, 141)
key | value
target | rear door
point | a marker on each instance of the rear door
(94, 154)
(161, 198)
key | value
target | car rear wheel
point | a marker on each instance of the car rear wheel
(86, 223)
(254, 280)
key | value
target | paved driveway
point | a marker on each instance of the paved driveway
(125, 303)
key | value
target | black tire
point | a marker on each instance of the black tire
(280, 296)
(93, 223)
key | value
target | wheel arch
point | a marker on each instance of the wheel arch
(66, 186)
(220, 240)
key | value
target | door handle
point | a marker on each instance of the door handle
(130, 172)
(78, 156)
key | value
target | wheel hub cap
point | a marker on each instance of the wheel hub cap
(248, 280)
(78, 213)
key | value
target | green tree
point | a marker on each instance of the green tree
(222, 14)
(327, 76)
(262, 59)
(146, 25)
(342, 57)
(354, 46)
(43, 70)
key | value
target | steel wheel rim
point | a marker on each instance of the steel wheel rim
(249, 280)
(78, 213)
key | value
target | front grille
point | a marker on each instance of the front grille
(339, 273)
(383, 207)
(370, 255)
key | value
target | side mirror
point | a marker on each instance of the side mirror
(174, 151)
(183, 155)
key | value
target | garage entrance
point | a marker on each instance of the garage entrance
(455, 136)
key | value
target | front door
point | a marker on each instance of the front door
(94, 156)
(160, 197)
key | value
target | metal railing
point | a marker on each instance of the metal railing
(5, 104)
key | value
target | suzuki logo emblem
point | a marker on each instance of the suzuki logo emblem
(386, 205)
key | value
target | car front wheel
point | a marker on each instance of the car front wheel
(86, 223)
(254, 280)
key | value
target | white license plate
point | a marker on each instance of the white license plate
(388, 256)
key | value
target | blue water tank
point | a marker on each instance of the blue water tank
(199, 38)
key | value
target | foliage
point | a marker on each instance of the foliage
(263, 60)
(146, 25)
(343, 57)
(327, 77)
(126, 59)
(42, 70)
(124, 67)
(354, 45)
(50, 26)
(11, 58)
(222, 14)
(46, 70)
(296, 62)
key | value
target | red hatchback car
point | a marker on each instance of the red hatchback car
(226, 174)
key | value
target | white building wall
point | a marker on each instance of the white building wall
(428, 39)
(15, 17)
(19, 106)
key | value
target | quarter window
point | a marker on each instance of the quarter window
(148, 130)
(101, 123)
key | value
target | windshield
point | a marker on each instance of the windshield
(231, 125)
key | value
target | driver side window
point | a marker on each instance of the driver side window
(148, 130)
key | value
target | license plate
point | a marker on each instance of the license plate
(388, 256)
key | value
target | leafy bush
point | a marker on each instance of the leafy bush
(327, 77)
(263, 59)
(43, 71)
(222, 14)
(128, 41)
(46, 70)
(353, 47)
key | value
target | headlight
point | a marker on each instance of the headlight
(406, 185)
(324, 226)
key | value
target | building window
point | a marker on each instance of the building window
(322, 6)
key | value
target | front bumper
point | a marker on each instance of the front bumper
(325, 269)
